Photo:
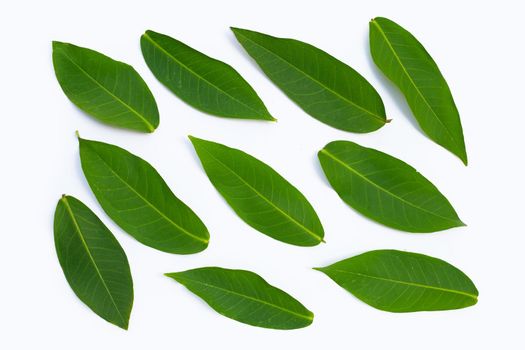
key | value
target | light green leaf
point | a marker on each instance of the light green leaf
(259, 195)
(408, 65)
(109, 90)
(205, 83)
(93, 262)
(386, 189)
(136, 197)
(320, 84)
(246, 297)
(397, 281)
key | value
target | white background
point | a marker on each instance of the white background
(479, 47)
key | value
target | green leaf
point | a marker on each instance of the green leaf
(320, 84)
(408, 65)
(386, 189)
(397, 281)
(246, 297)
(205, 83)
(259, 195)
(109, 90)
(93, 261)
(136, 197)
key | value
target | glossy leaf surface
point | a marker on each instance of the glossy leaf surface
(136, 197)
(386, 189)
(246, 297)
(93, 262)
(320, 84)
(397, 281)
(259, 195)
(109, 90)
(205, 83)
(408, 65)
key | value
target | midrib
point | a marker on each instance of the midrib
(88, 251)
(373, 115)
(247, 297)
(282, 212)
(198, 75)
(110, 93)
(183, 230)
(398, 59)
(412, 284)
(381, 188)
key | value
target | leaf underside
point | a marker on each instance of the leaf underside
(111, 91)
(93, 262)
(205, 83)
(397, 281)
(402, 58)
(386, 189)
(259, 195)
(136, 197)
(246, 297)
(321, 85)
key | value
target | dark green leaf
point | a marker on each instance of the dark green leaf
(320, 84)
(408, 65)
(259, 195)
(246, 297)
(134, 195)
(205, 83)
(397, 281)
(109, 90)
(386, 189)
(93, 261)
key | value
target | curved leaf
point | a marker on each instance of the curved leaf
(205, 83)
(108, 90)
(409, 66)
(246, 297)
(397, 281)
(93, 261)
(259, 195)
(136, 197)
(320, 84)
(386, 189)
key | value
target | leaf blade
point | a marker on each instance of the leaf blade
(80, 237)
(397, 281)
(205, 83)
(368, 180)
(109, 90)
(253, 189)
(402, 58)
(136, 197)
(246, 297)
(321, 85)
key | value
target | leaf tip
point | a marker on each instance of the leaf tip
(193, 139)
(77, 134)
(269, 117)
(63, 199)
